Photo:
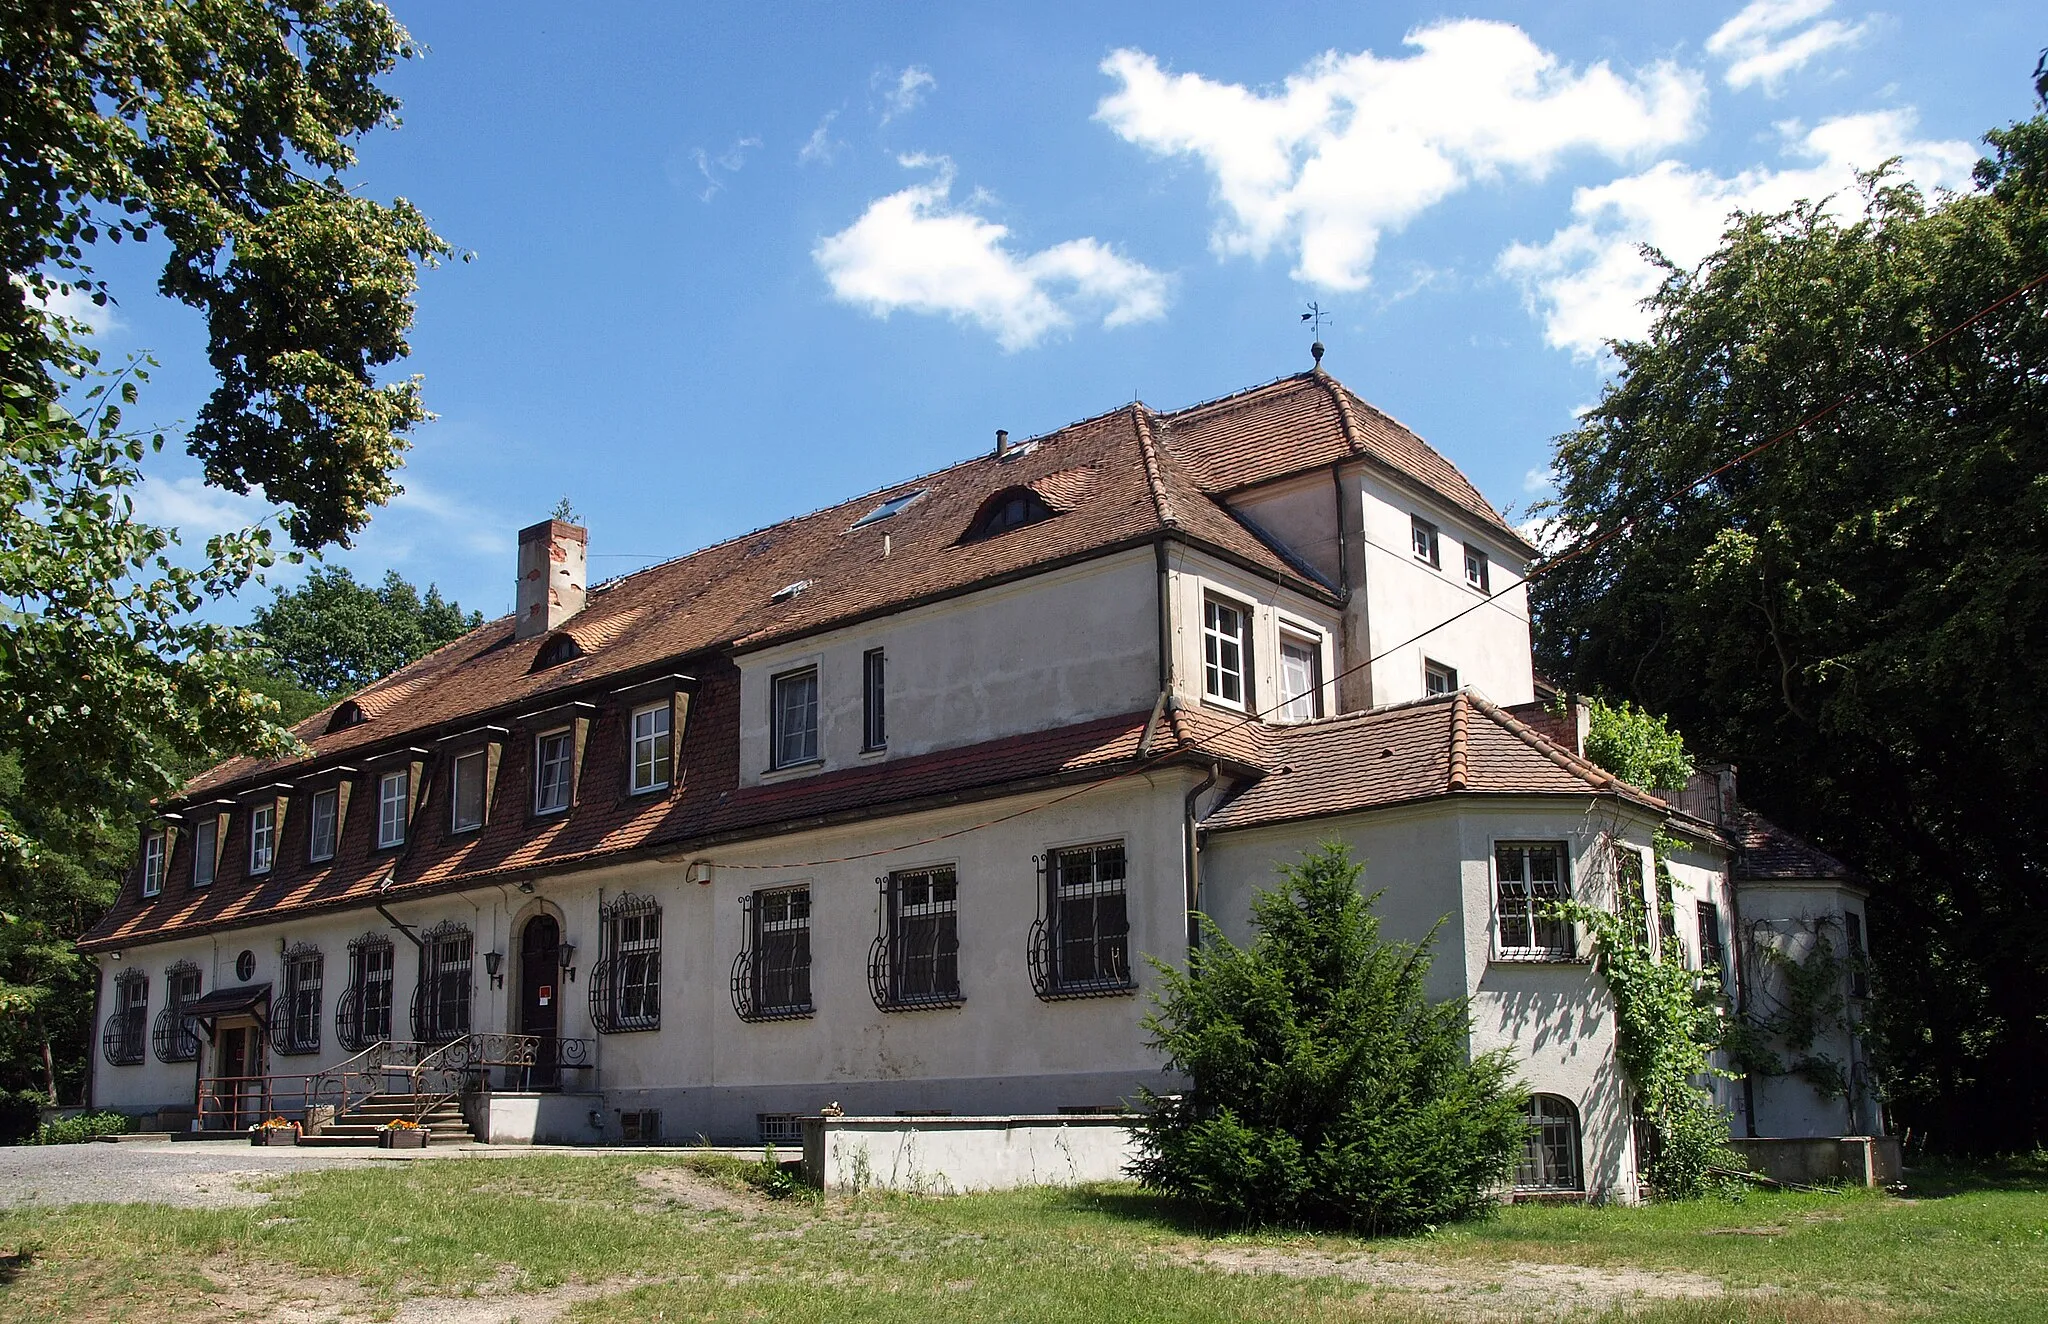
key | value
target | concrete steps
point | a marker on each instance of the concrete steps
(364, 1123)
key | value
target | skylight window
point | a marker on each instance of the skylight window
(788, 591)
(895, 505)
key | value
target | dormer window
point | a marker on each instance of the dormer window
(153, 852)
(262, 837)
(1009, 509)
(562, 648)
(348, 714)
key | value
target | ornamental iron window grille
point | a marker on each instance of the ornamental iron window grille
(1223, 653)
(441, 1000)
(295, 1022)
(795, 714)
(914, 963)
(1529, 875)
(127, 1027)
(176, 1035)
(362, 1015)
(771, 976)
(1080, 943)
(1550, 1153)
(625, 984)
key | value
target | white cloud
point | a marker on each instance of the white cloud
(1589, 279)
(1761, 45)
(195, 510)
(918, 250)
(717, 169)
(69, 301)
(1352, 146)
(1538, 480)
(819, 148)
(903, 92)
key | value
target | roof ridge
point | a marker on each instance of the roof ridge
(1141, 425)
(1236, 395)
(1461, 717)
(1345, 422)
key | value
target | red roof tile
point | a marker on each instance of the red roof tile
(1767, 852)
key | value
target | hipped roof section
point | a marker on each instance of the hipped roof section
(1117, 480)
(1452, 744)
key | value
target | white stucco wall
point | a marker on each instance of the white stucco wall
(1047, 651)
(1435, 860)
(1786, 918)
(946, 1155)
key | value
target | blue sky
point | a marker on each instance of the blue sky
(737, 263)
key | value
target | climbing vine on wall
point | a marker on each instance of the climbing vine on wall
(1794, 1002)
(1667, 1023)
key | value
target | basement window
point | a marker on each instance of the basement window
(894, 506)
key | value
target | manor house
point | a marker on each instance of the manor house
(890, 806)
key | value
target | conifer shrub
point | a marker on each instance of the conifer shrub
(1325, 1089)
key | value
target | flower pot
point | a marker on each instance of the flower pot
(412, 1139)
(273, 1135)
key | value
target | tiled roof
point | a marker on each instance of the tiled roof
(710, 808)
(1767, 852)
(1456, 744)
(1306, 422)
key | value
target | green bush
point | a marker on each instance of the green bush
(20, 1113)
(1324, 1088)
(84, 1127)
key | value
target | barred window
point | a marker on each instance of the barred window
(1527, 875)
(441, 1002)
(128, 1023)
(915, 960)
(363, 1015)
(1081, 947)
(1550, 1153)
(772, 976)
(177, 1038)
(625, 987)
(322, 823)
(295, 1023)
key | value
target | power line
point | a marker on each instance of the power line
(1536, 572)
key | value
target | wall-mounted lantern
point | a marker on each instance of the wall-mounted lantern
(494, 966)
(568, 950)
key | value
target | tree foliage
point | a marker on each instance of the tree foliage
(1857, 616)
(1324, 1087)
(1640, 748)
(332, 635)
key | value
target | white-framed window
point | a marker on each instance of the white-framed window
(322, 822)
(1476, 572)
(393, 791)
(1224, 652)
(205, 850)
(1550, 1154)
(874, 712)
(466, 804)
(553, 752)
(653, 748)
(262, 837)
(794, 719)
(1423, 535)
(1528, 874)
(1438, 678)
(153, 849)
(1301, 677)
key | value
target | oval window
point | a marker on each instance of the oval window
(245, 966)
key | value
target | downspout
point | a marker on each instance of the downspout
(1165, 613)
(1191, 845)
(1343, 533)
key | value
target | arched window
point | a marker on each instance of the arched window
(1011, 508)
(347, 714)
(562, 648)
(1550, 1154)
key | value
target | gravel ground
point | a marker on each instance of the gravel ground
(195, 1174)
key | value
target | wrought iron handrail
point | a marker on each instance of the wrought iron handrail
(343, 1085)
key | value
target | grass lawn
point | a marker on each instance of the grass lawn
(668, 1238)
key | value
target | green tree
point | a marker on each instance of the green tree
(221, 130)
(1857, 616)
(1638, 747)
(332, 635)
(1324, 1087)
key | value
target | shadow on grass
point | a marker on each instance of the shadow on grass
(12, 1266)
(1937, 1178)
(1164, 1213)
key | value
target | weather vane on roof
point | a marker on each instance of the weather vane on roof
(1315, 315)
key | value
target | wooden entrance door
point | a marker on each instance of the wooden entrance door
(240, 1067)
(540, 998)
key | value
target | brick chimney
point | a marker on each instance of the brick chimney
(551, 560)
